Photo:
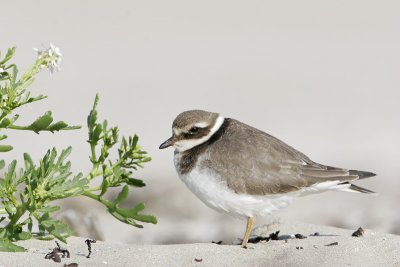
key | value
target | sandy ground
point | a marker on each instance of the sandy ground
(373, 249)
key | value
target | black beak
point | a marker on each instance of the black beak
(168, 143)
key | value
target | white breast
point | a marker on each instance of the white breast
(215, 193)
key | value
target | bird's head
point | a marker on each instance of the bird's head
(192, 128)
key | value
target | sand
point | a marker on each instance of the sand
(372, 249)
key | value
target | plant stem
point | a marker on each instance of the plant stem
(18, 214)
(93, 152)
(98, 198)
(3, 115)
(28, 128)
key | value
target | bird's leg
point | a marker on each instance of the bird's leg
(250, 223)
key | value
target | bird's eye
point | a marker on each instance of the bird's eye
(194, 130)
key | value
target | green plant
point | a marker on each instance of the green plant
(27, 193)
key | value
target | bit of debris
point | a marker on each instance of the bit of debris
(71, 265)
(53, 255)
(64, 251)
(315, 234)
(358, 233)
(198, 260)
(218, 243)
(258, 239)
(332, 244)
(299, 248)
(89, 245)
(299, 236)
(274, 236)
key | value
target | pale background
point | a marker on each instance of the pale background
(322, 76)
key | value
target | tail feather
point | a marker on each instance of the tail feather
(362, 174)
(360, 189)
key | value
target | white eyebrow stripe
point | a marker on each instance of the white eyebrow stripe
(201, 124)
(184, 145)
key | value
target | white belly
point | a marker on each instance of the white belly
(216, 194)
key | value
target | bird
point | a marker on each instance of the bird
(244, 172)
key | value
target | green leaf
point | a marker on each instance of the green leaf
(146, 218)
(96, 133)
(5, 148)
(10, 209)
(92, 118)
(74, 127)
(10, 174)
(5, 122)
(42, 122)
(138, 208)
(129, 216)
(14, 76)
(28, 161)
(64, 154)
(9, 55)
(117, 215)
(44, 237)
(57, 228)
(122, 195)
(67, 188)
(8, 246)
(133, 141)
(2, 164)
(141, 217)
(34, 99)
(23, 236)
(57, 126)
(48, 209)
(135, 182)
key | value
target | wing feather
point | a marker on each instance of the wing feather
(256, 163)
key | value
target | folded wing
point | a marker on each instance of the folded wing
(260, 164)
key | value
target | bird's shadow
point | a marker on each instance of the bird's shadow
(276, 236)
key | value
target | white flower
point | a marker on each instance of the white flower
(2, 70)
(51, 57)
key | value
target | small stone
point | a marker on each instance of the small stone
(359, 232)
(332, 244)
